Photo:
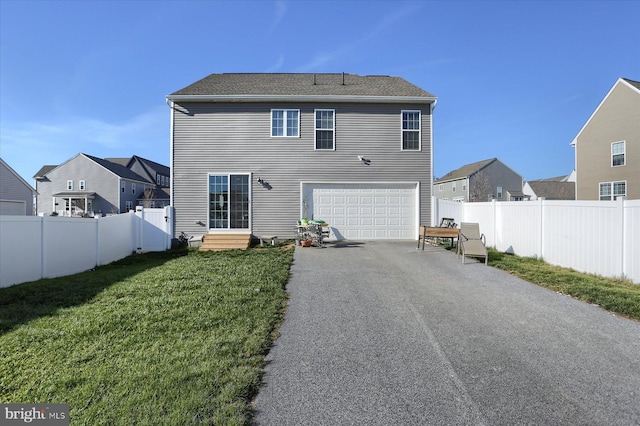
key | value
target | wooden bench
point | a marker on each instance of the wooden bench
(437, 232)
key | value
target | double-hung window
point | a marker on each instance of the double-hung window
(411, 130)
(69, 185)
(82, 185)
(611, 190)
(285, 122)
(618, 153)
(325, 129)
(133, 188)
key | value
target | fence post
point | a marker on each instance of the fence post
(168, 226)
(541, 224)
(494, 208)
(623, 266)
(138, 226)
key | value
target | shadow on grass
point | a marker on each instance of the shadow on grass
(22, 303)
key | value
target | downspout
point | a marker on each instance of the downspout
(172, 225)
(432, 106)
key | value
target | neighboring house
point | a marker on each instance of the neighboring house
(157, 196)
(558, 188)
(255, 153)
(89, 186)
(607, 148)
(16, 195)
(482, 181)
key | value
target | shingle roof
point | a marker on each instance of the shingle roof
(466, 170)
(303, 85)
(635, 84)
(118, 169)
(553, 190)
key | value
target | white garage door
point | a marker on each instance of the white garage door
(365, 211)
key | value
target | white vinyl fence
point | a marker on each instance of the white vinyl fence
(598, 237)
(32, 248)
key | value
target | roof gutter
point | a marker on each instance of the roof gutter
(303, 98)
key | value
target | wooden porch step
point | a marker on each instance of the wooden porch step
(219, 242)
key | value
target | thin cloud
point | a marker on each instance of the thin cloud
(323, 58)
(281, 11)
(54, 143)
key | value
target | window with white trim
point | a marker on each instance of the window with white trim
(129, 205)
(611, 190)
(133, 188)
(285, 122)
(453, 187)
(499, 193)
(82, 185)
(441, 187)
(159, 179)
(69, 185)
(325, 129)
(411, 130)
(122, 185)
(618, 153)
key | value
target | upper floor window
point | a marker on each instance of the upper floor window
(285, 122)
(611, 190)
(122, 185)
(325, 129)
(159, 179)
(453, 187)
(499, 193)
(618, 153)
(411, 130)
(82, 185)
(69, 185)
(441, 187)
(133, 188)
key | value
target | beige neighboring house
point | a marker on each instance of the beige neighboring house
(16, 195)
(607, 148)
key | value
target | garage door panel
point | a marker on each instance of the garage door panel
(365, 211)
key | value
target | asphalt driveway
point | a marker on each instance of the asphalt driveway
(378, 333)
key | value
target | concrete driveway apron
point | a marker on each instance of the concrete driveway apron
(378, 333)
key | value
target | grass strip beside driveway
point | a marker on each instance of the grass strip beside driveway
(615, 295)
(160, 338)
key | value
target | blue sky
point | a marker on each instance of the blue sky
(514, 80)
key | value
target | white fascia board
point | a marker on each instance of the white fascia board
(574, 142)
(303, 98)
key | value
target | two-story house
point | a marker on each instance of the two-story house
(154, 196)
(86, 185)
(607, 148)
(252, 154)
(481, 181)
(16, 195)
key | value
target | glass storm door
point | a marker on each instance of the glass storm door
(229, 202)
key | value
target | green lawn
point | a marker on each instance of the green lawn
(161, 338)
(615, 295)
(180, 337)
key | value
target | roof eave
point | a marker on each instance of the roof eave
(304, 98)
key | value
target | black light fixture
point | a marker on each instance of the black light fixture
(366, 161)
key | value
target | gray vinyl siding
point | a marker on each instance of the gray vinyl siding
(219, 138)
(13, 189)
